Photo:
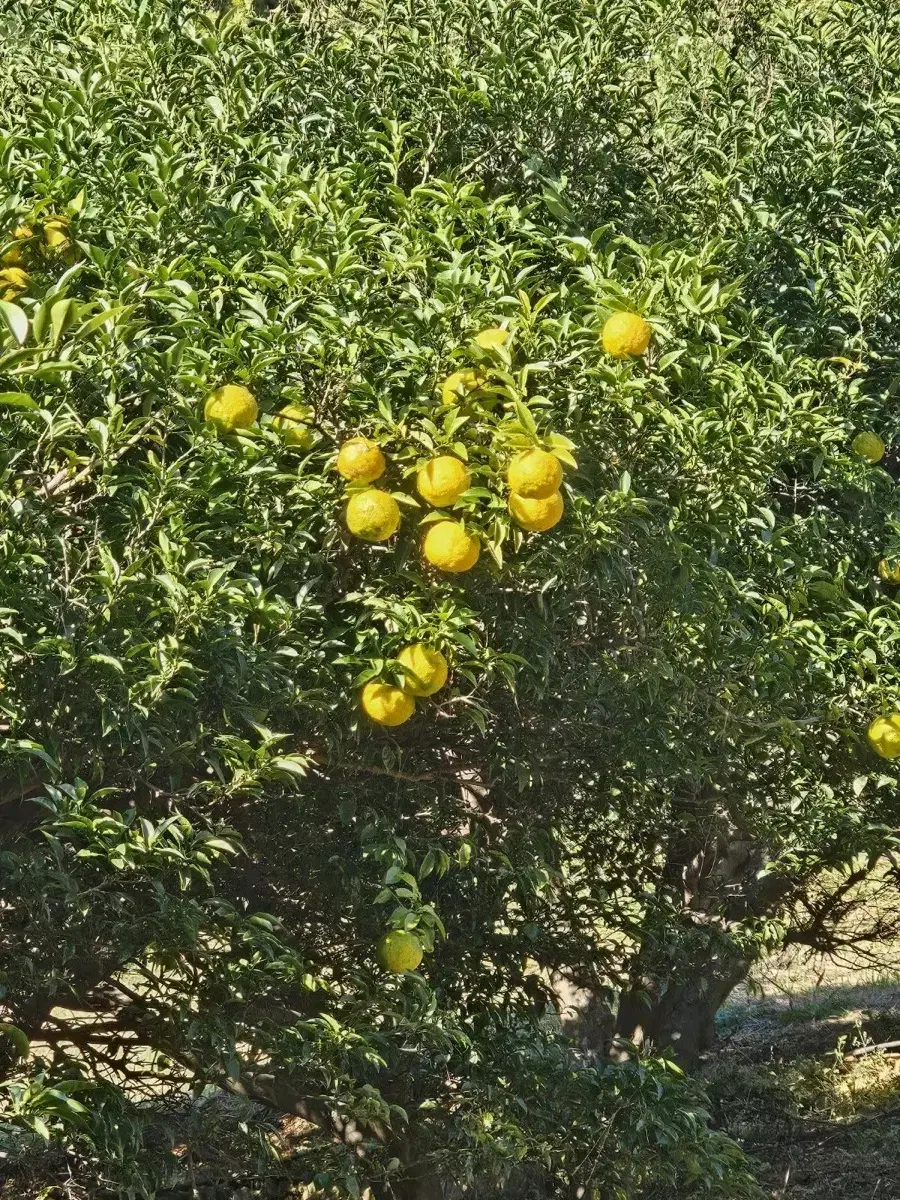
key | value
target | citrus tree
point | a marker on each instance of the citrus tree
(439, 573)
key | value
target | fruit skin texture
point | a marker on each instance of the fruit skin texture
(360, 461)
(888, 571)
(231, 407)
(869, 445)
(537, 516)
(492, 339)
(13, 256)
(399, 951)
(625, 335)
(13, 281)
(56, 232)
(884, 736)
(534, 474)
(427, 669)
(385, 704)
(443, 480)
(457, 386)
(448, 547)
(373, 515)
(291, 424)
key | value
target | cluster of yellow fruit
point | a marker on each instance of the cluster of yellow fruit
(14, 279)
(425, 672)
(234, 407)
(624, 335)
(534, 477)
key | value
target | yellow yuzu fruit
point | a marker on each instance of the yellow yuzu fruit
(426, 669)
(537, 516)
(458, 385)
(360, 461)
(373, 515)
(492, 339)
(625, 335)
(399, 951)
(13, 256)
(443, 480)
(291, 424)
(534, 474)
(889, 570)
(884, 735)
(385, 704)
(869, 445)
(13, 280)
(56, 232)
(231, 407)
(449, 547)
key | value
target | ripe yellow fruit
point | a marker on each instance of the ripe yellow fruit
(626, 335)
(448, 547)
(889, 570)
(534, 474)
(536, 515)
(884, 735)
(427, 669)
(230, 407)
(492, 339)
(291, 424)
(385, 704)
(869, 445)
(56, 232)
(443, 480)
(373, 515)
(458, 385)
(360, 461)
(13, 256)
(13, 280)
(399, 951)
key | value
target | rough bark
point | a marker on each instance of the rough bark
(679, 1016)
(688, 961)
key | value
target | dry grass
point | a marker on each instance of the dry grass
(819, 1125)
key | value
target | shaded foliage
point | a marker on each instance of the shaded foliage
(653, 744)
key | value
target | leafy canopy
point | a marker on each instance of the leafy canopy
(202, 839)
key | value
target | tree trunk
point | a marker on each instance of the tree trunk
(679, 1014)
(423, 1185)
(686, 967)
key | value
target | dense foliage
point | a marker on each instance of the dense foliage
(653, 743)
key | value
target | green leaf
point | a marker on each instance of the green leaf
(18, 1037)
(106, 316)
(15, 321)
(17, 400)
(216, 843)
(525, 416)
(40, 1127)
(61, 316)
(108, 661)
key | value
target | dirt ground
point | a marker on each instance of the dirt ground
(820, 1122)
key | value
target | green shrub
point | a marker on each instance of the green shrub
(203, 840)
